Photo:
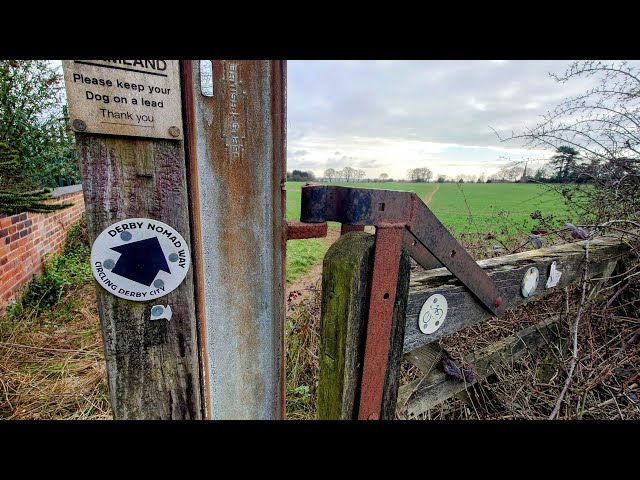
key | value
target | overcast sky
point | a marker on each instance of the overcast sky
(389, 116)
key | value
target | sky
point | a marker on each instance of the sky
(389, 116)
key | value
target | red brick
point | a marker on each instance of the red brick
(4, 278)
(18, 218)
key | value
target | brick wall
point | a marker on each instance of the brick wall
(27, 237)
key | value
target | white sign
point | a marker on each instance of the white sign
(530, 282)
(139, 98)
(139, 259)
(432, 313)
(554, 276)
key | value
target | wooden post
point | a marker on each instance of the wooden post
(152, 366)
(237, 175)
(345, 280)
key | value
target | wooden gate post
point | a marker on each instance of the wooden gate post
(132, 162)
(345, 290)
(237, 176)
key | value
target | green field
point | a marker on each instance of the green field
(489, 205)
(477, 208)
(301, 254)
(492, 207)
(499, 208)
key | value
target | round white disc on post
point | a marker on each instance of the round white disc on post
(139, 259)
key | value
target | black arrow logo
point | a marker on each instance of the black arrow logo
(141, 261)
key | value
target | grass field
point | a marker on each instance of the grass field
(477, 208)
(471, 207)
(301, 254)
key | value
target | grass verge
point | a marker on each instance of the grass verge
(51, 354)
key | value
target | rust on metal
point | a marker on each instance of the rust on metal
(384, 279)
(427, 240)
(299, 230)
(418, 252)
(186, 74)
(346, 228)
(240, 156)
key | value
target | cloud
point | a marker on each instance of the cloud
(296, 153)
(402, 114)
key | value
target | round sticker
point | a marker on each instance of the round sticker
(432, 313)
(139, 259)
(530, 282)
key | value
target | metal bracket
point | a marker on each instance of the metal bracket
(428, 241)
(401, 219)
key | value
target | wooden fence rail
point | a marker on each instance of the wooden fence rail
(343, 323)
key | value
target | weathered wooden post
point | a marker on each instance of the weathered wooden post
(183, 171)
(127, 115)
(346, 278)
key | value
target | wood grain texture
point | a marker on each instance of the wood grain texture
(507, 272)
(345, 276)
(424, 393)
(345, 279)
(152, 366)
(426, 357)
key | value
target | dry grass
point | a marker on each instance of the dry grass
(605, 383)
(302, 346)
(53, 370)
(52, 362)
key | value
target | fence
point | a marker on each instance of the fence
(26, 238)
(344, 298)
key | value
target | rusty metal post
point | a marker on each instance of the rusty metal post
(237, 173)
(384, 279)
(346, 228)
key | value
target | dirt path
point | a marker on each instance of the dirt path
(430, 197)
(313, 275)
(311, 278)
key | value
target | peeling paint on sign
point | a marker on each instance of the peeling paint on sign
(530, 282)
(554, 276)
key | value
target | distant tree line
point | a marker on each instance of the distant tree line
(565, 166)
(347, 174)
(300, 176)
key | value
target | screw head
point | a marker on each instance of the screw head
(174, 131)
(79, 125)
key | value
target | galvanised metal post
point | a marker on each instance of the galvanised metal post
(235, 124)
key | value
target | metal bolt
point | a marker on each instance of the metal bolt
(174, 131)
(499, 301)
(79, 125)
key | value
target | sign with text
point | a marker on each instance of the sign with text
(139, 259)
(139, 98)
